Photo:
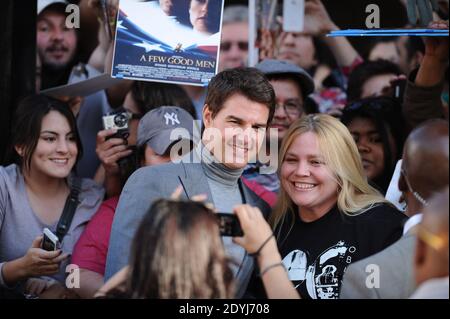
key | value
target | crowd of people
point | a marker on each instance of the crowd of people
(332, 161)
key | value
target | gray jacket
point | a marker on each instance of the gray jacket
(150, 183)
(395, 265)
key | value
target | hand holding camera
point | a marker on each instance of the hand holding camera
(111, 150)
(39, 262)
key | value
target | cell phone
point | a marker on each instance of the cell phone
(293, 15)
(398, 90)
(50, 241)
(229, 225)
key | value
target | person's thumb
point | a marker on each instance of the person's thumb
(37, 242)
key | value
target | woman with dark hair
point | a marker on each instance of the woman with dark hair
(33, 194)
(177, 252)
(377, 126)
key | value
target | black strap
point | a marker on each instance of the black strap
(256, 253)
(69, 210)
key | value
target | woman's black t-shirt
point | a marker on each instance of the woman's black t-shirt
(316, 254)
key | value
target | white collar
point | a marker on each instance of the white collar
(411, 222)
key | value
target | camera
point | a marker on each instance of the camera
(119, 121)
(50, 241)
(229, 225)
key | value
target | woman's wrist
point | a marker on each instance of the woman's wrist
(13, 272)
(269, 254)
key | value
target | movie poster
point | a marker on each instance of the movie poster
(173, 41)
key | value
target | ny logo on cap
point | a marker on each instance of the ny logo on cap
(173, 117)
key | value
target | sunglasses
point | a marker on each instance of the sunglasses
(227, 45)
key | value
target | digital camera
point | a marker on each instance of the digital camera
(229, 225)
(119, 121)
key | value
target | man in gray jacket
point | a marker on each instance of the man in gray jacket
(425, 168)
(238, 108)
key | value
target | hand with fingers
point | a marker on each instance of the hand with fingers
(317, 19)
(420, 12)
(36, 286)
(437, 47)
(202, 198)
(110, 150)
(39, 262)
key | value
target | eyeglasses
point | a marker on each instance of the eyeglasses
(227, 45)
(415, 194)
(292, 107)
(434, 241)
(134, 116)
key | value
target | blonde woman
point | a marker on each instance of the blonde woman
(327, 215)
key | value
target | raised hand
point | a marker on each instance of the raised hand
(317, 20)
(109, 151)
(420, 12)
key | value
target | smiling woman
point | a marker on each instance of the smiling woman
(328, 216)
(33, 193)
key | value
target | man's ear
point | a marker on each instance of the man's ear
(19, 150)
(207, 116)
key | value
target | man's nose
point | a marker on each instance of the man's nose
(280, 112)
(235, 52)
(289, 38)
(57, 34)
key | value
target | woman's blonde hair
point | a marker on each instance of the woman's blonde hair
(342, 158)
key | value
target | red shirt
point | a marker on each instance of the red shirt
(269, 197)
(92, 248)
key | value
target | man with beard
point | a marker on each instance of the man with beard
(292, 85)
(56, 44)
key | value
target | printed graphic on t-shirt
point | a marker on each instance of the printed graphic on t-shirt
(323, 275)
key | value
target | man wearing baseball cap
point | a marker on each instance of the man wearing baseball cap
(164, 135)
(292, 85)
(56, 44)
